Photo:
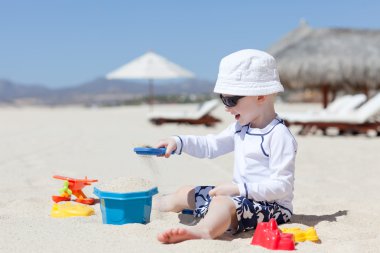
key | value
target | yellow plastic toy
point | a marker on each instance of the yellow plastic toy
(302, 235)
(68, 209)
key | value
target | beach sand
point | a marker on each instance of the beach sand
(336, 187)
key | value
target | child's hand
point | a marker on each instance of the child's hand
(169, 144)
(228, 189)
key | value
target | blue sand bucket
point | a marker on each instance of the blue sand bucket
(123, 208)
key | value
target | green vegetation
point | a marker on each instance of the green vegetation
(162, 99)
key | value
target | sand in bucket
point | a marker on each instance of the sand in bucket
(126, 200)
(126, 184)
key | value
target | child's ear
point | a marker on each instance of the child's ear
(261, 99)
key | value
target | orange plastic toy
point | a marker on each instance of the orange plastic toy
(74, 187)
(269, 236)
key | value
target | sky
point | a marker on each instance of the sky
(65, 43)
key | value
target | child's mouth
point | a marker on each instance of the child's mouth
(237, 116)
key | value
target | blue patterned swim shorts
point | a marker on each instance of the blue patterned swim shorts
(249, 212)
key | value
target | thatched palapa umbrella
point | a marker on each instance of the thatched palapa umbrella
(330, 59)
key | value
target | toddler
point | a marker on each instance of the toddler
(264, 155)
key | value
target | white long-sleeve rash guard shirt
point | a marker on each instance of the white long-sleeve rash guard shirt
(264, 158)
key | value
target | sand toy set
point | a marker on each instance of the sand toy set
(129, 200)
(118, 205)
(73, 186)
(268, 235)
(120, 208)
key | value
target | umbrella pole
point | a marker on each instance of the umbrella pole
(325, 95)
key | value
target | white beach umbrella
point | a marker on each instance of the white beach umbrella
(150, 66)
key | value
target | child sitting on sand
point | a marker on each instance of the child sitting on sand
(264, 149)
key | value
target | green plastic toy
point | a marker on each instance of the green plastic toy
(65, 191)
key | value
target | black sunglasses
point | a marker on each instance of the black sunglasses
(230, 101)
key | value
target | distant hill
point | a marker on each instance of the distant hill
(11, 93)
(98, 91)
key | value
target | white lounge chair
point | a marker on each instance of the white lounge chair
(200, 116)
(340, 105)
(360, 120)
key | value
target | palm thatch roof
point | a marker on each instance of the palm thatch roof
(334, 57)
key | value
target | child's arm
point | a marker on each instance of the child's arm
(209, 146)
(227, 189)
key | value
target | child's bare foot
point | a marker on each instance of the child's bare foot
(175, 235)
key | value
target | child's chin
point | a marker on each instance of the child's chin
(242, 122)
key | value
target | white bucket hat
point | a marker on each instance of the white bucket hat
(248, 72)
